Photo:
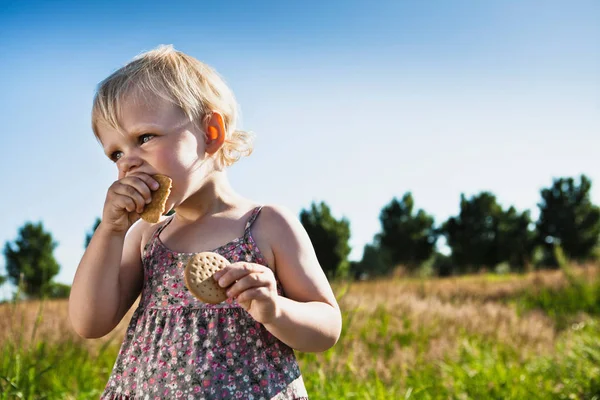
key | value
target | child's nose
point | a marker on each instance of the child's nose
(128, 164)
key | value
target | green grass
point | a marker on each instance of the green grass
(565, 304)
(483, 370)
(366, 362)
(53, 371)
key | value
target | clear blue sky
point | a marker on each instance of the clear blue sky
(352, 102)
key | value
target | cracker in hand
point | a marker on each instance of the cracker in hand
(153, 211)
(198, 277)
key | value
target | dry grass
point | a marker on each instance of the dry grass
(480, 288)
(390, 325)
(394, 324)
(430, 317)
(27, 322)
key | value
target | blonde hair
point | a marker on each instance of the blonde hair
(183, 80)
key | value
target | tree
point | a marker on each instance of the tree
(374, 262)
(483, 234)
(407, 238)
(88, 236)
(569, 219)
(442, 264)
(58, 290)
(31, 258)
(516, 241)
(329, 238)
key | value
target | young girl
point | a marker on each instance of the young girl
(167, 113)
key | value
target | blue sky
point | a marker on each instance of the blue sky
(352, 102)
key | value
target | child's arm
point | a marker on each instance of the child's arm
(110, 275)
(308, 318)
(107, 282)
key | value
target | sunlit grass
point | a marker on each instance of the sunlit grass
(530, 336)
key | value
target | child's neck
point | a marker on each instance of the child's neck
(215, 196)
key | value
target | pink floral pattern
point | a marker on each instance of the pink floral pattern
(177, 347)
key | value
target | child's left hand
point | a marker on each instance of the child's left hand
(254, 286)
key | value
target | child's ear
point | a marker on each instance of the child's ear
(215, 133)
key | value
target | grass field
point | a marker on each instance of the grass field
(533, 336)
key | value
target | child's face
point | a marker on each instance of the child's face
(158, 139)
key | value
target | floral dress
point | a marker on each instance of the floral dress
(177, 347)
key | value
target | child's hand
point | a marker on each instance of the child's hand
(126, 199)
(254, 286)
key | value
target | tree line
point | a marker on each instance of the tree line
(483, 235)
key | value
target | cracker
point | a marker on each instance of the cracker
(198, 277)
(156, 208)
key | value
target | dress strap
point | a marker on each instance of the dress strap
(251, 220)
(161, 228)
(151, 243)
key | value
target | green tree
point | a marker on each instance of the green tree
(329, 238)
(374, 262)
(88, 236)
(408, 238)
(569, 219)
(31, 259)
(483, 234)
(58, 290)
(442, 264)
(516, 239)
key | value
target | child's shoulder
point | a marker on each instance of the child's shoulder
(275, 217)
(278, 225)
(284, 241)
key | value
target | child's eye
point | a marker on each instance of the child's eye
(115, 156)
(145, 138)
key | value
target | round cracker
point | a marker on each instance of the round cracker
(156, 208)
(198, 277)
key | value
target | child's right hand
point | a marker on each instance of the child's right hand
(125, 201)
